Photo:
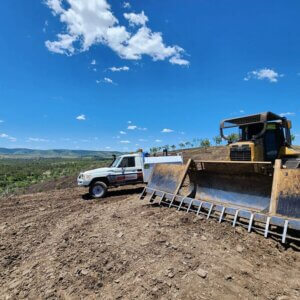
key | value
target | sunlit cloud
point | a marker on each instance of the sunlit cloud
(167, 130)
(264, 74)
(8, 137)
(81, 118)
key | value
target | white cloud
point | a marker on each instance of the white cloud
(108, 147)
(1, 121)
(55, 5)
(64, 45)
(92, 22)
(177, 60)
(146, 42)
(8, 137)
(242, 111)
(167, 130)
(262, 74)
(129, 122)
(115, 69)
(108, 80)
(126, 5)
(122, 132)
(37, 140)
(142, 140)
(136, 19)
(125, 142)
(286, 114)
(134, 127)
(158, 141)
(93, 62)
(81, 118)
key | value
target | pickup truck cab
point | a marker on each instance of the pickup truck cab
(126, 169)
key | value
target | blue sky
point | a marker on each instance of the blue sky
(103, 74)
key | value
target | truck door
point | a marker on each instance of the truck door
(129, 170)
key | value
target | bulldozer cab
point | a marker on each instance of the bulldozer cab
(267, 132)
(271, 141)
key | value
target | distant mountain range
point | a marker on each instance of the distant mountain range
(63, 153)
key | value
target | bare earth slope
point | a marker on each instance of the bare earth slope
(58, 244)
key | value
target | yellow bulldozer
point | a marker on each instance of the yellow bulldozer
(258, 186)
(262, 137)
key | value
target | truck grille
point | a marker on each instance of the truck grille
(240, 153)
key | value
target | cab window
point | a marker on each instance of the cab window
(127, 162)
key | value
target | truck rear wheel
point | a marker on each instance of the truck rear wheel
(98, 189)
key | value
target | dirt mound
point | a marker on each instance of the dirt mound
(62, 245)
(54, 184)
(203, 153)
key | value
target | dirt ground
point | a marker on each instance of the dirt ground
(62, 245)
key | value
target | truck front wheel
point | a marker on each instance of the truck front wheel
(98, 189)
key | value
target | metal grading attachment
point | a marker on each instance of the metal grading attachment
(257, 195)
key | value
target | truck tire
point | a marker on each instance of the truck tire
(98, 189)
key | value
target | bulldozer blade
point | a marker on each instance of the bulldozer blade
(167, 177)
(259, 194)
(245, 185)
(285, 198)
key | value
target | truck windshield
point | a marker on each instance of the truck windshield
(116, 162)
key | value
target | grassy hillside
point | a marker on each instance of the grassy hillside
(56, 153)
(18, 174)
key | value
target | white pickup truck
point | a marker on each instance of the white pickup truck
(125, 169)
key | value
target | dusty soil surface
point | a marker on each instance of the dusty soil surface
(49, 185)
(62, 245)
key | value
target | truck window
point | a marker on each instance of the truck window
(116, 162)
(127, 162)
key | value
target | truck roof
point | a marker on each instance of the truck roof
(132, 154)
(163, 159)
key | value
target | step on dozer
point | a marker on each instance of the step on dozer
(263, 195)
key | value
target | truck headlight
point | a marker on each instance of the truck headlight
(87, 177)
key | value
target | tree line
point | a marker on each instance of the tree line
(200, 143)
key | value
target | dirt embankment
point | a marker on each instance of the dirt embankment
(209, 153)
(60, 244)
